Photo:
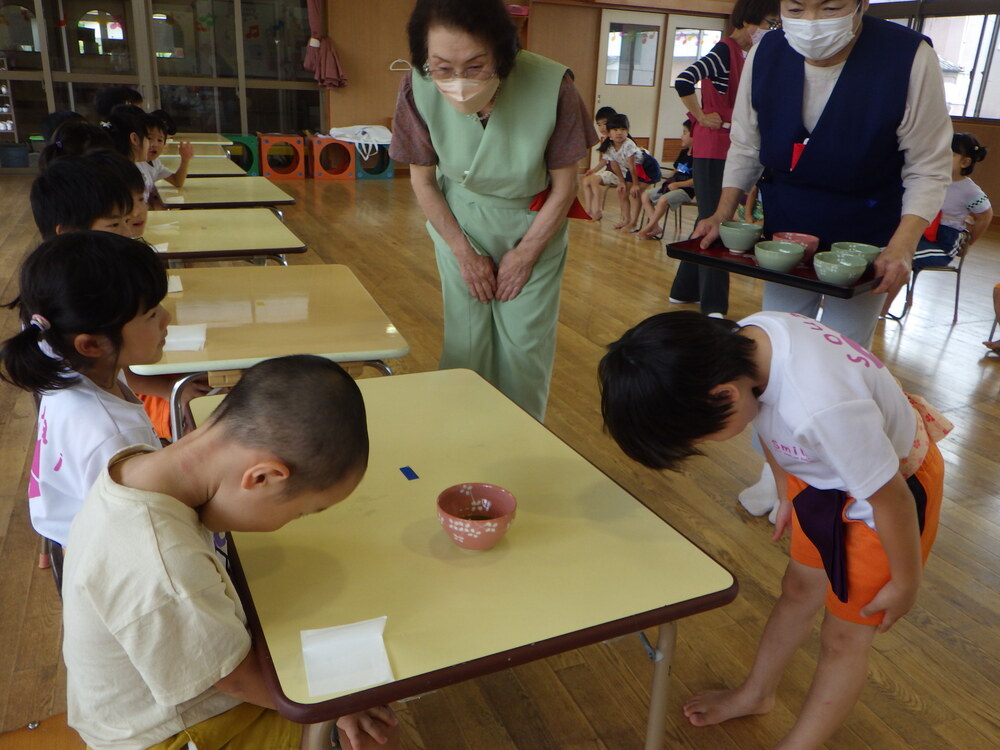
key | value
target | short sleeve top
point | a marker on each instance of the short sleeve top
(571, 140)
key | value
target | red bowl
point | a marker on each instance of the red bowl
(475, 515)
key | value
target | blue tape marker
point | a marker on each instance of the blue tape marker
(408, 472)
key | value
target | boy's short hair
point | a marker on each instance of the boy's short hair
(689, 125)
(604, 113)
(163, 121)
(109, 97)
(126, 170)
(307, 411)
(74, 192)
(655, 383)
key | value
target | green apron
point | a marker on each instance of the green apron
(488, 177)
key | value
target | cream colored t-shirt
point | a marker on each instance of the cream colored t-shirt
(151, 619)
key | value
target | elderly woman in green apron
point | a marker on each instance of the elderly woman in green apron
(493, 135)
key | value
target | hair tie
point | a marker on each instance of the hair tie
(58, 144)
(106, 125)
(40, 322)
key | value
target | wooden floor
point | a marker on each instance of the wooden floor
(935, 678)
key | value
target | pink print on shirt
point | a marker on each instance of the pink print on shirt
(791, 451)
(34, 488)
(861, 356)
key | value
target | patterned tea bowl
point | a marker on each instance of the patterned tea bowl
(476, 515)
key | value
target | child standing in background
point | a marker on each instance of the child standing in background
(856, 466)
(89, 305)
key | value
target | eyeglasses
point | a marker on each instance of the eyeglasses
(475, 73)
(772, 24)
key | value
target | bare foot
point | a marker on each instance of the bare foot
(619, 226)
(993, 346)
(717, 706)
(597, 216)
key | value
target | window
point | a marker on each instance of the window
(631, 55)
(967, 47)
(690, 45)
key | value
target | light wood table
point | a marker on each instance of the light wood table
(584, 561)
(223, 192)
(201, 139)
(205, 166)
(252, 234)
(255, 313)
(214, 151)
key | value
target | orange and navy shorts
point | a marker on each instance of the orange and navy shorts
(867, 564)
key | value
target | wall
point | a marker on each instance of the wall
(370, 35)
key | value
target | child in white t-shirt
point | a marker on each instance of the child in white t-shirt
(90, 306)
(157, 651)
(161, 126)
(966, 207)
(859, 478)
(622, 155)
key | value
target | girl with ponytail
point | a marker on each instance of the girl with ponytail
(89, 306)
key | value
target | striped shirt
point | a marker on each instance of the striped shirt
(714, 66)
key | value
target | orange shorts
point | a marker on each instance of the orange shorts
(158, 411)
(867, 565)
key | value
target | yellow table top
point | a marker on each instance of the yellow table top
(202, 139)
(208, 192)
(255, 313)
(220, 232)
(212, 150)
(582, 562)
(205, 166)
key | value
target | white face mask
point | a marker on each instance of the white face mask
(821, 38)
(467, 95)
(757, 35)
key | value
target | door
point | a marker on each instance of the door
(629, 68)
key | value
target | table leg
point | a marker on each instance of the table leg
(379, 365)
(663, 657)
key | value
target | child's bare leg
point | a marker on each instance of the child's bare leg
(652, 226)
(840, 677)
(623, 209)
(803, 590)
(635, 211)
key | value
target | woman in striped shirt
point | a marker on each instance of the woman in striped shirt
(719, 72)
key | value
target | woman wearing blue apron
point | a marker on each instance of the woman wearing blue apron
(843, 119)
(487, 130)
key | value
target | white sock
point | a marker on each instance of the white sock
(762, 497)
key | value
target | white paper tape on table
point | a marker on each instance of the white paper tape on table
(346, 657)
(186, 338)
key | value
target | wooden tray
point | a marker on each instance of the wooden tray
(801, 277)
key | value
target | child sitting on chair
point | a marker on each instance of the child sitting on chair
(676, 190)
(155, 642)
(858, 475)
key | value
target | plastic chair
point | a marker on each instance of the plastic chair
(955, 267)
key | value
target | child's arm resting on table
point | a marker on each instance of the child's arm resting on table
(246, 683)
(898, 529)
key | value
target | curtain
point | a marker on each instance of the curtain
(321, 57)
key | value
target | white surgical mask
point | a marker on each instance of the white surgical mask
(820, 38)
(757, 35)
(467, 95)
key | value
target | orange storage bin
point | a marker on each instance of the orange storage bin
(330, 159)
(282, 156)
